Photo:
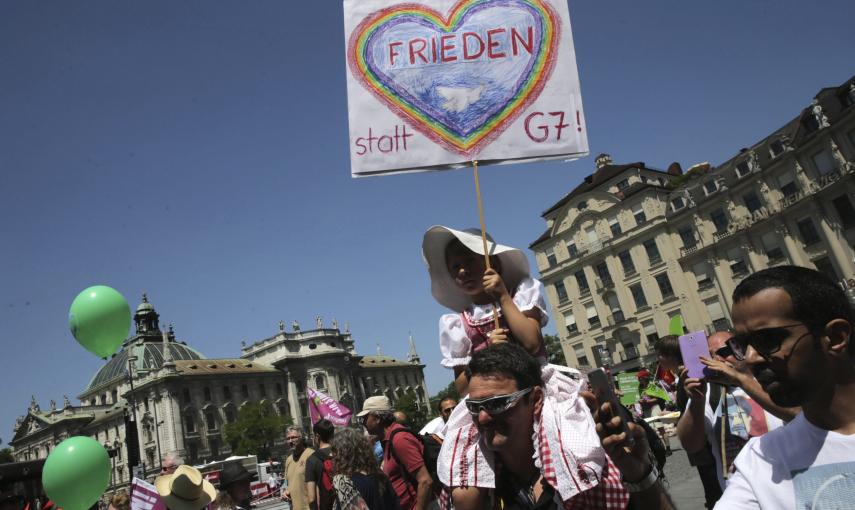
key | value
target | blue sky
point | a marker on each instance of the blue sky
(198, 151)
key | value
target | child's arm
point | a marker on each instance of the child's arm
(524, 326)
(461, 381)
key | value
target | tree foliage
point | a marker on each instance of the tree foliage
(255, 430)
(554, 351)
(6, 456)
(408, 404)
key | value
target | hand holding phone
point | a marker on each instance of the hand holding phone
(693, 347)
(604, 392)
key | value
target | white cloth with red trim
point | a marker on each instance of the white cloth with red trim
(567, 448)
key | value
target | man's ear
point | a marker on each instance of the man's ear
(537, 397)
(839, 333)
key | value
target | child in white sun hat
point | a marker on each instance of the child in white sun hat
(461, 282)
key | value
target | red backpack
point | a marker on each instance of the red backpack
(326, 485)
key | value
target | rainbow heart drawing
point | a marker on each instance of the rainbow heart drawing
(459, 79)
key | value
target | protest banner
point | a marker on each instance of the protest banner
(437, 84)
(144, 496)
(324, 406)
(628, 383)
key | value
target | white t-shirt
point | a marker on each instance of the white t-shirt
(434, 426)
(746, 419)
(796, 466)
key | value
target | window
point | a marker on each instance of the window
(701, 275)
(582, 205)
(652, 251)
(787, 185)
(550, 257)
(664, 285)
(823, 161)
(207, 392)
(320, 382)
(186, 395)
(845, 212)
(678, 203)
(737, 262)
(614, 226)
(650, 332)
(593, 318)
(688, 237)
(743, 169)
(579, 351)
(227, 392)
(638, 296)
(581, 281)
(189, 423)
(570, 323)
(279, 389)
(626, 262)
(640, 217)
(776, 148)
(603, 273)
(230, 415)
(752, 202)
(824, 266)
(719, 219)
(262, 390)
(771, 247)
(571, 248)
(104, 399)
(244, 390)
(808, 231)
(622, 184)
(209, 420)
(710, 187)
(561, 291)
(115, 395)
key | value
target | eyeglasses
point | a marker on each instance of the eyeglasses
(724, 351)
(495, 405)
(766, 341)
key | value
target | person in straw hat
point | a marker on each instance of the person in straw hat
(185, 489)
(497, 305)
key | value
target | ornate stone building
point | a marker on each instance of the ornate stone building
(632, 246)
(182, 400)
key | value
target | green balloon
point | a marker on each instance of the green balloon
(99, 319)
(76, 473)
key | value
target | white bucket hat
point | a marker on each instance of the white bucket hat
(443, 287)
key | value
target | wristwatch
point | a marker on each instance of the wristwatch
(643, 484)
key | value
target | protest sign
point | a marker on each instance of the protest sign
(434, 84)
(324, 406)
(144, 496)
(628, 383)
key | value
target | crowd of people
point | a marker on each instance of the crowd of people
(770, 425)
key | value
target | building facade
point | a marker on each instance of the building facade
(631, 246)
(174, 400)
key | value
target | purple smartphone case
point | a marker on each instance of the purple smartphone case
(692, 347)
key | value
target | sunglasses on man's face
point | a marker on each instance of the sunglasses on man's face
(724, 351)
(495, 405)
(766, 341)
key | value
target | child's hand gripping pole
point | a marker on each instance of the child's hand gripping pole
(484, 236)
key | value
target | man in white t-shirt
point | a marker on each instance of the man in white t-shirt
(436, 425)
(750, 412)
(793, 328)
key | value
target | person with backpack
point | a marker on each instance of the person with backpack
(319, 468)
(359, 484)
(403, 454)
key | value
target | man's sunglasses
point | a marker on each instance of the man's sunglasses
(766, 341)
(724, 351)
(495, 405)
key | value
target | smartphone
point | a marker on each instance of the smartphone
(694, 346)
(602, 389)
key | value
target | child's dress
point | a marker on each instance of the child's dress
(567, 448)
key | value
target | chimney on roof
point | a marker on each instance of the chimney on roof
(675, 169)
(603, 160)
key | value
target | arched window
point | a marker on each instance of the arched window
(320, 382)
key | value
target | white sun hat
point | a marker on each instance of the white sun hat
(443, 287)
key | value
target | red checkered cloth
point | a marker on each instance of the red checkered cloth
(609, 494)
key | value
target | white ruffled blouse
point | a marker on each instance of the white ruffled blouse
(456, 347)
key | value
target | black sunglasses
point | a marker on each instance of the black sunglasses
(766, 341)
(495, 405)
(724, 351)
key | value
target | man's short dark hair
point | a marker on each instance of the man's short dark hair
(446, 399)
(324, 429)
(816, 299)
(669, 346)
(509, 360)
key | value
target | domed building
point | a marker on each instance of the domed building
(182, 400)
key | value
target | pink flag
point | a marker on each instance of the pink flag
(324, 406)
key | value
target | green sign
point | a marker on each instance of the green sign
(628, 384)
